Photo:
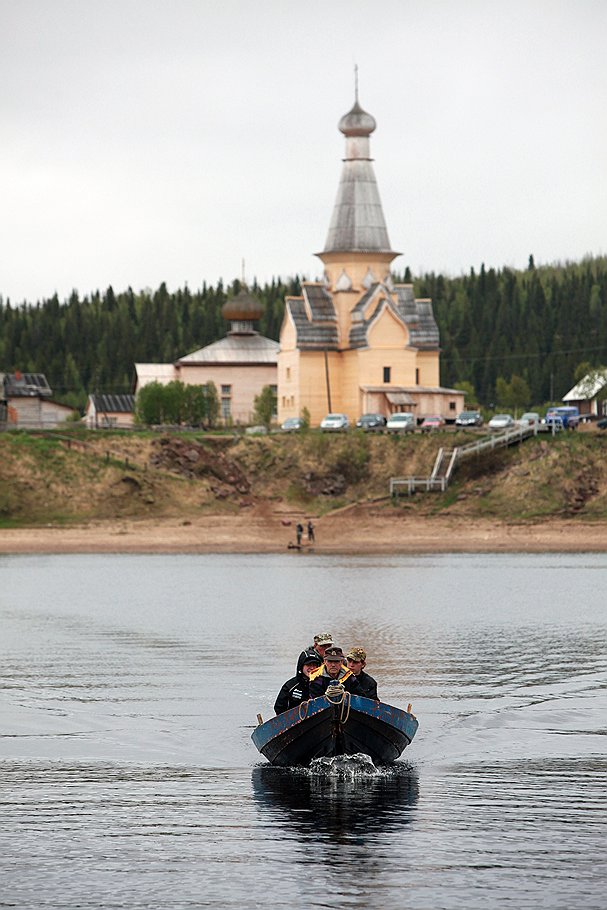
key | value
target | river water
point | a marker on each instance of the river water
(129, 687)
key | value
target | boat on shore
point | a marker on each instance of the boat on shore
(328, 726)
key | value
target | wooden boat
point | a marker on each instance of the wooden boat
(325, 727)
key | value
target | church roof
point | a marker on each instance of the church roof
(242, 307)
(417, 315)
(314, 317)
(358, 223)
(235, 349)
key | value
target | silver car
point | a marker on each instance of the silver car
(402, 422)
(334, 422)
(501, 422)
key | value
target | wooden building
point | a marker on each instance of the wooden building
(239, 365)
(109, 411)
(357, 342)
(29, 402)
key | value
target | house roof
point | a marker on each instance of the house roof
(244, 349)
(113, 404)
(588, 387)
(22, 385)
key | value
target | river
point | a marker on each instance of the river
(129, 687)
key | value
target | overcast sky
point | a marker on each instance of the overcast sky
(166, 140)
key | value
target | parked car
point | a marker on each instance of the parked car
(334, 422)
(291, 424)
(568, 416)
(602, 423)
(501, 422)
(401, 422)
(432, 423)
(530, 419)
(469, 419)
(371, 422)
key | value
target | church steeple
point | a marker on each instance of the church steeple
(358, 223)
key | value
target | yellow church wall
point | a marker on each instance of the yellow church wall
(313, 383)
(289, 396)
(387, 331)
(428, 363)
(356, 267)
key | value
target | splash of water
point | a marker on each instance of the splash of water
(344, 766)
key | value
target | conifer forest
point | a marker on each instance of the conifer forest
(540, 324)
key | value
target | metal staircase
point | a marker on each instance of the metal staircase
(448, 459)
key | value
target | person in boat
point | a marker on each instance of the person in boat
(332, 671)
(297, 689)
(322, 641)
(356, 662)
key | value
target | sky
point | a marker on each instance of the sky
(144, 141)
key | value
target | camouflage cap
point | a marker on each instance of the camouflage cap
(357, 654)
(323, 638)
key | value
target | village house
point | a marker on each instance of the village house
(589, 395)
(109, 411)
(239, 365)
(357, 342)
(28, 402)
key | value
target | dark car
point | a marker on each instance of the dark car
(602, 424)
(469, 419)
(371, 422)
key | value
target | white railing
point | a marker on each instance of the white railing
(438, 481)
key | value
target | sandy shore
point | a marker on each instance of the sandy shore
(349, 532)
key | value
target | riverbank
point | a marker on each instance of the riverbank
(353, 531)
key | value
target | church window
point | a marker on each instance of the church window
(288, 373)
(417, 376)
(387, 371)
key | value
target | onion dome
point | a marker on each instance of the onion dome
(357, 122)
(242, 308)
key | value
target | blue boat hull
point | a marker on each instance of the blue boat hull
(320, 728)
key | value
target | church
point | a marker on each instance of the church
(356, 342)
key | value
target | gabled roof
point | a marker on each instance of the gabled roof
(314, 317)
(113, 404)
(23, 385)
(417, 316)
(588, 387)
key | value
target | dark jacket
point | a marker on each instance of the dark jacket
(294, 691)
(320, 685)
(367, 686)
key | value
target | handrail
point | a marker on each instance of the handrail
(438, 481)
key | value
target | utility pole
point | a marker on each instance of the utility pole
(327, 380)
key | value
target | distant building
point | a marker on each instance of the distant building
(588, 394)
(29, 403)
(239, 365)
(108, 411)
(356, 342)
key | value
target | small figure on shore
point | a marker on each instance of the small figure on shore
(299, 532)
(310, 531)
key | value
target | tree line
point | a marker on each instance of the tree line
(497, 326)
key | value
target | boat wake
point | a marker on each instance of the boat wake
(347, 767)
